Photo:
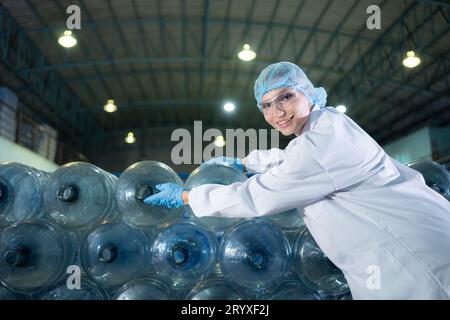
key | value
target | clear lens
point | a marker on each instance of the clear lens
(281, 102)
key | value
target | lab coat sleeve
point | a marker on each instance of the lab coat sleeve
(298, 181)
(259, 161)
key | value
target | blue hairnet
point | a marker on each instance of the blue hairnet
(286, 74)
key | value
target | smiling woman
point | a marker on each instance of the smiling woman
(285, 95)
(287, 112)
(365, 210)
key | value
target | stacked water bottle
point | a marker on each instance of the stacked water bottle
(82, 233)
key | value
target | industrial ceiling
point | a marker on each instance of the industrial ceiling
(167, 63)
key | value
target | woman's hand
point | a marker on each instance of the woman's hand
(169, 195)
(185, 197)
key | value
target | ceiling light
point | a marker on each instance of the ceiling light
(229, 107)
(130, 138)
(67, 40)
(246, 54)
(110, 106)
(411, 61)
(219, 142)
(341, 108)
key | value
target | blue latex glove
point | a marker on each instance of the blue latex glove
(235, 162)
(169, 196)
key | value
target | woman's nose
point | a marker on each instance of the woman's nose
(279, 112)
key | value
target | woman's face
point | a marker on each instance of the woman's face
(286, 109)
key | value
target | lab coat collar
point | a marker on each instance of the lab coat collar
(312, 120)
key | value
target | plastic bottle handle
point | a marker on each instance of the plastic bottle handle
(257, 260)
(179, 255)
(68, 193)
(18, 257)
(144, 191)
(107, 253)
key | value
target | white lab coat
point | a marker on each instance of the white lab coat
(373, 217)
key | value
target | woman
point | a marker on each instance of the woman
(373, 217)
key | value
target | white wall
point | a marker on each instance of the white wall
(416, 145)
(10, 151)
(440, 142)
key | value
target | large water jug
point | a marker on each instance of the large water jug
(144, 289)
(114, 253)
(436, 176)
(347, 296)
(6, 294)
(183, 254)
(315, 269)
(21, 190)
(80, 196)
(138, 182)
(288, 220)
(87, 291)
(34, 255)
(255, 255)
(292, 289)
(213, 174)
(216, 288)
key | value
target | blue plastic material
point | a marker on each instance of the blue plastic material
(215, 289)
(213, 174)
(21, 189)
(184, 254)
(144, 289)
(315, 269)
(87, 291)
(255, 255)
(80, 196)
(138, 182)
(34, 255)
(293, 289)
(436, 176)
(113, 254)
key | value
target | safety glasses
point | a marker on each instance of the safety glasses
(281, 101)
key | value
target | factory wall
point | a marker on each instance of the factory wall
(10, 151)
(440, 142)
(432, 143)
(416, 145)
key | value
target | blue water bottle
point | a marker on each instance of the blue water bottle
(436, 176)
(183, 254)
(255, 255)
(80, 196)
(215, 288)
(315, 269)
(86, 291)
(223, 174)
(115, 253)
(288, 220)
(137, 183)
(34, 255)
(146, 288)
(292, 289)
(21, 193)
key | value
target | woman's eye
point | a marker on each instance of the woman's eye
(286, 97)
(266, 105)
